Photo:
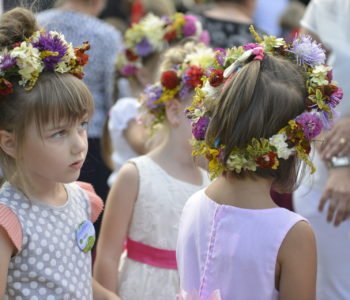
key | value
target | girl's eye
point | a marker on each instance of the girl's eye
(84, 125)
(59, 133)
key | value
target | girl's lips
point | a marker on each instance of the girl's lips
(77, 165)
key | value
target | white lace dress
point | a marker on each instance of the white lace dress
(155, 222)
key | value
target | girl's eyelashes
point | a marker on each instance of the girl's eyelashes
(59, 133)
(84, 124)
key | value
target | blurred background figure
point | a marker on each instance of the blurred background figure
(328, 21)
(125, 137)
(290, 19)
(267, 15)
(228, 22)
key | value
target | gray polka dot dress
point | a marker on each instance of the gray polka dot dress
(49, 265)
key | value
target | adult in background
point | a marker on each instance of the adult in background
(228, 22)
(328, 20)
(77, 20)
(268, 13)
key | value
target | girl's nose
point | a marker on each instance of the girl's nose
(79, 141)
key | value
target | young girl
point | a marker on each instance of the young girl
(147, 198)
(145, 42)
(46, 232)
(234, 242)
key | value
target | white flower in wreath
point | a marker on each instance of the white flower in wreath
(28, 61)
(279, 142)
(319, 74)
(202, 57)
(211, 91)
(154, 30)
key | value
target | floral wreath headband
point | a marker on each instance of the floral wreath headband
(43, 51)
(293, 139)
(153, 34)
(176, 82)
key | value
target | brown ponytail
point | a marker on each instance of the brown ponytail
(260, 100)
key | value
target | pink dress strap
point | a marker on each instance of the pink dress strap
(95, 201)
(9, 221)
(152, 256)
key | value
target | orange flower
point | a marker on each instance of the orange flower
(82, 58)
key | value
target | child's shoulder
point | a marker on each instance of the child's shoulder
(10, 194)
(143, 164)
(95, 202)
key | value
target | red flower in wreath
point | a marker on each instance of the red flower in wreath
(169, 79)
(170, 36)
(193, 76)
(130, 55)
(216, 77)
(267, 160)
(6, 87)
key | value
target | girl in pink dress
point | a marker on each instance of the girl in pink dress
(261, 106)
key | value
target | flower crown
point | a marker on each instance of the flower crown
(43, 51)
(152, 34)
(293, 139)
(176, 82)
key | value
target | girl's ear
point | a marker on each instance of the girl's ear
(172, 112)
(8, 143)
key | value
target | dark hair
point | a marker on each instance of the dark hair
(259, 101)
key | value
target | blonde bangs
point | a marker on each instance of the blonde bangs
(62, 97)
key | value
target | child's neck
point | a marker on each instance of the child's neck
(54, 194)
(249, 193)
(177, 162)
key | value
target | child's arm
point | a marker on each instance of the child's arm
(298, 263)
(100, 293)
(115, 224)
(6, 250)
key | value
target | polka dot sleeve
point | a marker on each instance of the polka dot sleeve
(9, 221)
(95, 201)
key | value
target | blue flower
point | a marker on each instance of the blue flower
(308, 51)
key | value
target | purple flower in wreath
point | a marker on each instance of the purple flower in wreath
(7, 62)
(220, 55)
(52, 44)
(144, 48)
(152, 94)
(184, 91)
(200, 128)
(308, 51)
(336, 97)
(311, 124)
(190, 27)
(204, 37)
(128, 70)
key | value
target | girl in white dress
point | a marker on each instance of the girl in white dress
(146, 200)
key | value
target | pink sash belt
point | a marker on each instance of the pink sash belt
(152, 256)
